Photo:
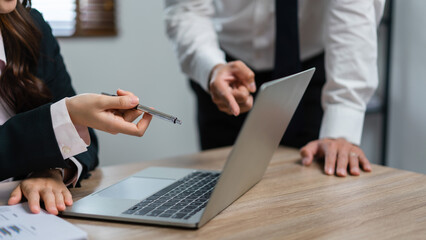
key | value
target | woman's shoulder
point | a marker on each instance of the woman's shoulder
(39, 21)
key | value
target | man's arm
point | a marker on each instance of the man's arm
(191, 30)
(351, 66)
(352, 78)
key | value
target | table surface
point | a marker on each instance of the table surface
(290, 202)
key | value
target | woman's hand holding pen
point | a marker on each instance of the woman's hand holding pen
(109, 114)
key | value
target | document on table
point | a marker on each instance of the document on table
(18, 223)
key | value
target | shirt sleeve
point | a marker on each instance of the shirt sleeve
(351, 66)
(74, 180)
(69, 139)
(190, 28)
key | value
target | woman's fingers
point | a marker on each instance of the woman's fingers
(119, 102)
(112, 114)
(121, 92)
(33, 197)
(59, 201)
(143, 124)
(131, 115)
(49, 200)
(15, 196)
(67, 197)
(45, 186)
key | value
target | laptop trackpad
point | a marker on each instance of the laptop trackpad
(135, 188)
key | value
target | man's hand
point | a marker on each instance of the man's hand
(338, 153)
(46, 186)
(231, 86)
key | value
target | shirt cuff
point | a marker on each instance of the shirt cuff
(73, 181)
(69, 140)
(342, 122)
(205, 60)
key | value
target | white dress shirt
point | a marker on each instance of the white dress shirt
(344, 29)
(69, 137)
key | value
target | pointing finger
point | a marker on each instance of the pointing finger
(244, 74)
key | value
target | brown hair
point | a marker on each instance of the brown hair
(20, 89)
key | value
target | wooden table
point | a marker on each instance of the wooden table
(290, 202)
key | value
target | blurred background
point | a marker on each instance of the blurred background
(111, 44)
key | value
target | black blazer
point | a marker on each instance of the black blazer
(27, 140)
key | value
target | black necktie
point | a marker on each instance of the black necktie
(287, 60)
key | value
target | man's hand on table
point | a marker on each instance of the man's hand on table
(338, 155)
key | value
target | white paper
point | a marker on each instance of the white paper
(18, 223)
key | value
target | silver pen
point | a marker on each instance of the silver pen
(153, 112)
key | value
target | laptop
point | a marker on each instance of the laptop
(189, 198)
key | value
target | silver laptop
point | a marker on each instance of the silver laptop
(188, 197)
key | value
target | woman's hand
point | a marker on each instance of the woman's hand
(46, 186)
(109, 114)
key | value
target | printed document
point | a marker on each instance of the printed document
(18, 223)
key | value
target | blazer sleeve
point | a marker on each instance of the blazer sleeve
(27, 140)
(53, 72)
(28, 143)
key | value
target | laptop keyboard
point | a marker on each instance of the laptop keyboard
(180, 200)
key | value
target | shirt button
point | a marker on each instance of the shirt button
(66, 150)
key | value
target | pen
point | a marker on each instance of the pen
(153, 112)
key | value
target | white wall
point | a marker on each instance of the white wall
(140, 59)
(407, 126)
